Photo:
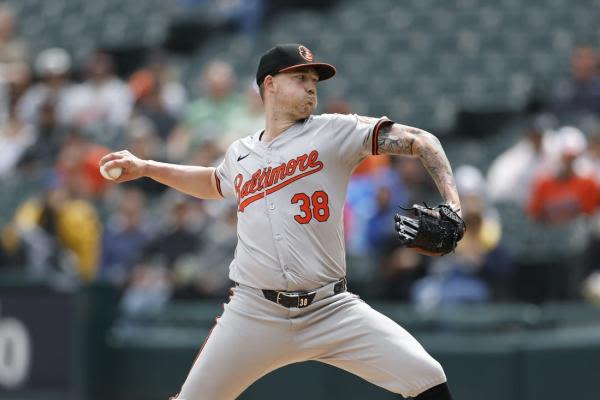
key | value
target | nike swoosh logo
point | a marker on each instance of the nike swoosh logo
(240, 158)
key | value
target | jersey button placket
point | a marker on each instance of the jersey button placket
(275, 219)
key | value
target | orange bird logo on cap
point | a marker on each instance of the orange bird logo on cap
(305, 53)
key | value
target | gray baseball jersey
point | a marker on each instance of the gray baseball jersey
(290, 195)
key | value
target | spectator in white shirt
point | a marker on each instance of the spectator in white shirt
(102, 101)
(510, 175)
(52, 66)
(15, 137)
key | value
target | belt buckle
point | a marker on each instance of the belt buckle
(306, 299)
(302, 298)
(279, 294)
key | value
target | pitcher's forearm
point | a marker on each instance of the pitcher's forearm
(190, 179)
(408, 140)
(434, 159)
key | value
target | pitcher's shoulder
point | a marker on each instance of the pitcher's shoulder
(341, 119)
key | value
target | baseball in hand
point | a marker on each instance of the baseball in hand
(111, 174)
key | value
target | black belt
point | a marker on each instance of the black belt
(300, 299)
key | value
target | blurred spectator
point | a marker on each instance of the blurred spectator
(210, 153)
(143, 139)
(580, 93)
(144, 143)
(589, 163)
(15, 79)
(372, 164)
(182, 236)
(52, 66)
(400, 268)
(18, 78)
(12, 49)
(358, 209)
(42, 154)
(208, 117)
(148, 291)
(481, 268)
(158, 96)
(13, 252)
(195, 248)
(78, 162)
(511, 173)
(390, 192)
(151, 107)
(419, 185)
(471, 187)
(103, 101)
(562, 195)
(250, 118)
(552, 263)
(124, 238)
(158, 78)
(590, 166)
(469, 274)
(448, 284)
(408, 183)
(212, 276)
(56, 222)
(179, 243)
(483, 246)
(15, 137)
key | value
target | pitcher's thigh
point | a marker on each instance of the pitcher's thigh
(237, 352)
(374, 347)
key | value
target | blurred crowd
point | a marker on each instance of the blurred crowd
(533, 224)
(57, 121)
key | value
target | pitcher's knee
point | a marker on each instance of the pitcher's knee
(428, 373)
(436, 372)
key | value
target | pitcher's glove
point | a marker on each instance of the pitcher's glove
(433, 231)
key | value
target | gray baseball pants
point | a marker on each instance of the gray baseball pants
(255, 336)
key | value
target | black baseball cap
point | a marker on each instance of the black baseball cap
(286, 57)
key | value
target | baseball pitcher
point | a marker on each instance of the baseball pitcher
(290, 301)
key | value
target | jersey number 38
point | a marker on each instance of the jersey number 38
(315, 206)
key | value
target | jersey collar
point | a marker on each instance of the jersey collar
(299, 125)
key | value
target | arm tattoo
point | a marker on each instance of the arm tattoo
(434, 159)
(396, 141)
(406, 140)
